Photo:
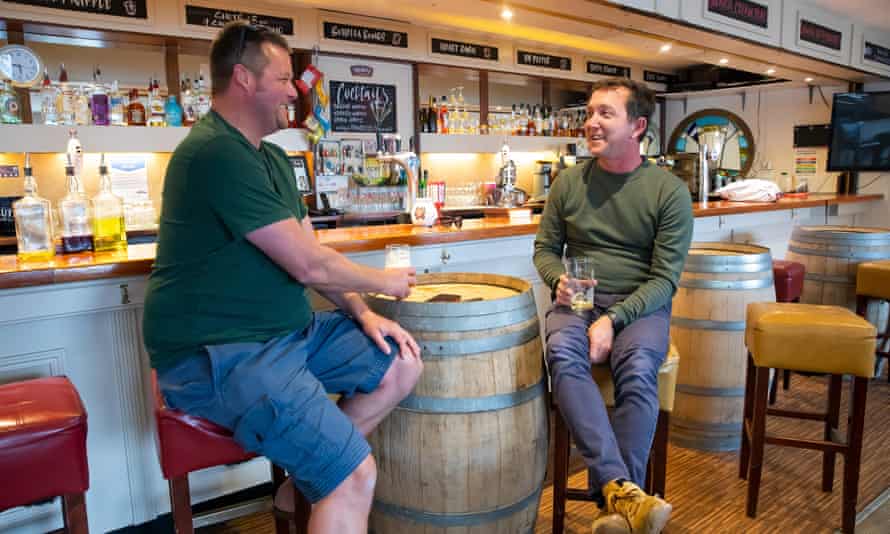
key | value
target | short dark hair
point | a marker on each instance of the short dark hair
(240, 42)
(640, 102)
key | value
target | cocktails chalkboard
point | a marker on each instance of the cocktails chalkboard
(362, 107)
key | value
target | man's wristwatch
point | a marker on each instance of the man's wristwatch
(617, 323)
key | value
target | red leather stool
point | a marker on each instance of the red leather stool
(788, 278)
(43, 447)
(187, 443)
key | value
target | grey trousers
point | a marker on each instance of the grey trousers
(620, 448)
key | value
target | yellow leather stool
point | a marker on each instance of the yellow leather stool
(873, 282)
(811, 338)
(657, 469)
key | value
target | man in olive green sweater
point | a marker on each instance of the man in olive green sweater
(635, 221)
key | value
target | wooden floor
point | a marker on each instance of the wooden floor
(709, 497)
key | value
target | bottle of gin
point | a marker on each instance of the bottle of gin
(99, 104)
(48, 99)
(67, 100)
(172, 112)
(116, 106)
(33, 222)
(75, 214)
(156, 112)
(108, 216)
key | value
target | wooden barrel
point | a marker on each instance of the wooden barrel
(467, 450)
(708, 329)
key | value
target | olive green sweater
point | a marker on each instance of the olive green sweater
(636, 226)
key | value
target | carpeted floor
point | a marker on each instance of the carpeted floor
(708, 496)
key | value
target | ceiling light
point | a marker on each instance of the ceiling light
(723, 61)
(770, 71)
(808, 79)
(665, 48)
(506, 14)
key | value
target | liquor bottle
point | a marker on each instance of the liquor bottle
(82, 107)
(75, 214)
(442, 124)
(533, 122)
(33, 222)
(189, 113)
(99, 101)
(135, 110)
(66, 99)
(172, 112)
(156, 112)
(48, 99)
(432, 116)
(10, 110)
(204, 101)
(109, 228)
(74, 150)
(422, 120)
(117, 106)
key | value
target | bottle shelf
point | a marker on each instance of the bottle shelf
(42, 138)
(484, 144)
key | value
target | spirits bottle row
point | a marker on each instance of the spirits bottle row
(95, 224)
(82, 104)
(444, 117)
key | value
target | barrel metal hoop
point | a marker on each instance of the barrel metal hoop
(464, 323)
(434, 349)
(416, 403)
(445, 520)
(701, 391)
(835, 279)
(740, 267)
(852, 255)
(697, 283)
(835, 237)
(704, 324)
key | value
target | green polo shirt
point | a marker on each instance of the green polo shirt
(208, 284)
(636, 226)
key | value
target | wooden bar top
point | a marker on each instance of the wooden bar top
(137, 259)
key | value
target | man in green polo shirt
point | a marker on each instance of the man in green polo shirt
(635, 221)
(227, 322)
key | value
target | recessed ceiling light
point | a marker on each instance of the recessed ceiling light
(808, 79)
(723, 61)
(770, 71)
(506, 14)
(665, 48)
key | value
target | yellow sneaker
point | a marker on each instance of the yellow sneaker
(606, 523)
(646, 514)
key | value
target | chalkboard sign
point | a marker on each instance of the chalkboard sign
(217, 18)
(364, 34)
(533, 59)
(116, 8)
(7, 222)
(820, 35)
(658, 77)
(362, 107)
(742, 11)
(461, 49)
(877, 53)
(609, 70)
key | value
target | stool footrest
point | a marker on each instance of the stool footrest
(579, 495)
(816, 445)
(815, 416)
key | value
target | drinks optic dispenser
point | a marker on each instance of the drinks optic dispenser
(710, 152)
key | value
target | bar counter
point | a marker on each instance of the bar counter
(138, 258)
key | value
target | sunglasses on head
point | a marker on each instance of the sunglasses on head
(242, 39)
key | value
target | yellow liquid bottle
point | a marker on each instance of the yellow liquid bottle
(109, 229)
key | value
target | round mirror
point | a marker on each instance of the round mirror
(736, 152)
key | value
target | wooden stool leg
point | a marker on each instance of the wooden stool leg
(786, 379)
(282, 525)
(561, 449)
(832, 421)
(302, 508)
(758, 431)
(744, 453)
(658, 457)
(181, 506)
(74, 510)
(855, 429)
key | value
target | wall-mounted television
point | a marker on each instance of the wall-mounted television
(860, 132)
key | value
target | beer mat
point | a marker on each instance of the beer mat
(445, 297)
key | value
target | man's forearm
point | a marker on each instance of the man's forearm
(351, 303)
(335, 273)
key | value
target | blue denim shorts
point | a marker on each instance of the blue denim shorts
(273, 396)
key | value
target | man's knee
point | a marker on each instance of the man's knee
(359, 485)
(402, 376)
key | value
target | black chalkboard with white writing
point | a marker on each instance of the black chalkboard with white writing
(362, 107)
(217, 18)
(116, 8)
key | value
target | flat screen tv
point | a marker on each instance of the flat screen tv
(860, 132)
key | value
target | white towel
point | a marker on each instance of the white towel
(751, 190)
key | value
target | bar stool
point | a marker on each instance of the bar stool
(657, 468)
(187, 443)
(788, 278)
(838, 343)
(43, 447)
(873, 282)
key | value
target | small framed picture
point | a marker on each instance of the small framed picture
(328, 151)
(301, 173)
(353, 156)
